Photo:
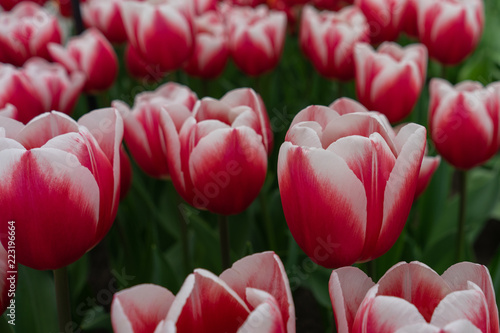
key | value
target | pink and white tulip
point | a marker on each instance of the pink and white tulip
(139, 68)
(328, 39)
(211, 50)
(39, 87)
(414, 298)
(252, 296)
(92, 54)
(385, 18)
(218, 159)
(390, 79)
(105, 15)
(61, 184)
(25, 32)
(464, 121)
(256, 38)
(451, 30)
(144, 124)
(161, 32)
(347, 182)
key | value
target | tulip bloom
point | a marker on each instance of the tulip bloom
(385, 18)
(464, 121)
(162, 33)
(252, 296)
(92, 54)
(65, 7)
(143, 124)
(347, 183)
(25, 33)
(451, 30)
(211, 51)
(105, 15)
(414, 298)
(139, 68)
(328, 39)
(60, 184)
(218, 158)
(39, 87)
(391, 79)
(256, 38)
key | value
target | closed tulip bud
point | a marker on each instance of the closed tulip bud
(451, 30)
(347, 182)
(144, 124)
(162, 32)
(464, 121)
(414, 298)
(252, 296)
(60, 185)
(385, 18)
(39, 87)
(25, 32)
(139, 68)
(105, 15)
(211, 50)
(218, 159)
(256, 38)
(391, 79)
(9, 4)
(410, 18)
(328, 39)
(92, 54)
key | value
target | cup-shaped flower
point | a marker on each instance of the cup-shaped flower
(161, 32)
(141, 69)
(211, 50)
(144, 128)
(252, 296)
(60, 184)
(218, 159)
(464, 121)
(25, 32)
(256, 38)
(92, 54)
(410, 18)
(385, 18)
(8, 280)
(390, 80)
(328, 39)
(414, 298)
(105, 15)
(347, 183)
(39, 87)
(451, 30)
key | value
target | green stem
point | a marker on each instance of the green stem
(224, 242)
(205, 84)
(370, 269)
(268, 222)
(62, 298)
(462, 188)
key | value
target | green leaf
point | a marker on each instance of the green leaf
(5, 327)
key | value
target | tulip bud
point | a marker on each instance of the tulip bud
(105, 15)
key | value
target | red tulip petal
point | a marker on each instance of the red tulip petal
(263, 271)
(348, 287)
(205, 303)
(55, 206)
(429, 166)
(139, 309)
(458, 276)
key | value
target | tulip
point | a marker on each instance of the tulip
(9, 4)
(93, 55)
(9, 111)
(143, 124)
(105, 15)
(252, 296)
(65, 7)
(25, 33)
(391, 79)
(211, 51)
(7, 280)
(429, 166)
(39, 87)
(60, 184)
(332, 4)
(464, 121)
(410, 18)
(218, 158)
(202, 6)
(385, 18)
(414, 298)
(328, 39)
(347, 183)
(256, 38)
(139, 68)
(162, 33)
(451, 30)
